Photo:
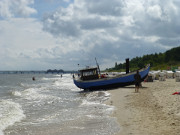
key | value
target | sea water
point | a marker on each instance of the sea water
(52, 105)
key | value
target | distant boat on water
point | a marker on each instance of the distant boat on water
(90, 79)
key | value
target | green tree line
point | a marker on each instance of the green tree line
(158, 61)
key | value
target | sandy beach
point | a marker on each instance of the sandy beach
(152, 111)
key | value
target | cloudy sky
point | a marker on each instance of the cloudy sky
(60, 34)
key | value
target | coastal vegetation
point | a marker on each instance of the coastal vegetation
(169, 60)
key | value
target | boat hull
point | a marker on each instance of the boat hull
(109, 83)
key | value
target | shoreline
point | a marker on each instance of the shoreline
(152, 111)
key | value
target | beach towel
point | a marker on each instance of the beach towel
(176, 93)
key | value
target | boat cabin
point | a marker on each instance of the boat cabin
(89, 74)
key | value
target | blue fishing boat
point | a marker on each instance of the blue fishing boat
(90, 79)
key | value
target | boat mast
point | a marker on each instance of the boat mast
(98, 66)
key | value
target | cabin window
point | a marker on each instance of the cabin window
(95, 72)
(89, 73)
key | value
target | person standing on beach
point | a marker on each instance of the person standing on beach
(137, 81)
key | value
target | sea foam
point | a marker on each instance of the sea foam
(10, 112)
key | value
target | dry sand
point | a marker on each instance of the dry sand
(153, 111)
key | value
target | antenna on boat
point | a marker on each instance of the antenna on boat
(97, 66)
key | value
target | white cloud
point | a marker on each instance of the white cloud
(106, 26)
(109, 8)
(78, 32)
(11, 8)
(24, 40)
(155, 11)
(25, 46)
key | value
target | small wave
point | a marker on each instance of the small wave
(27, 93)
(76, 89)
(98, 96)
(57, 75)
(16, 93)
(85, 102)
(96, 99)
(110, 109)
(64, 84)
(57, 83)
(45, 79)
(35, 95)
(23, 85)
(10, 113)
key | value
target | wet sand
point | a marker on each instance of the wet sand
(152, 111)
